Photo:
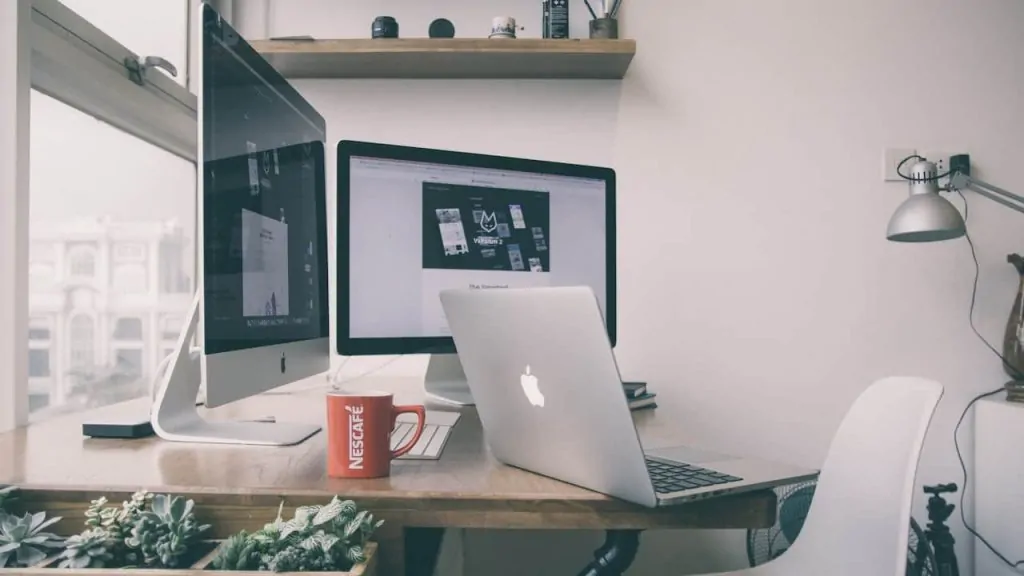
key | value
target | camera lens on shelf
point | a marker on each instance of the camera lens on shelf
(441, 28)
(385, 27)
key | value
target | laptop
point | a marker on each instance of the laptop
(549, 395)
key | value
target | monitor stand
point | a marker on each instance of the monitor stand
(445, 381)
(174, 414)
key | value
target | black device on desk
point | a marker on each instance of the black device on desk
(126, 430)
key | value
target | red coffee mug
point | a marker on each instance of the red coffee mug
(359, 426)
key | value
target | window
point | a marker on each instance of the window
(38, 329)
(82, 334)
(38, 363)
(81, 262)
(128, 329)
(39, 340)
(162, 30)
(103, 159)
(65, 78)
(108, 179)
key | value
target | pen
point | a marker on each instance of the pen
(615, 8)
(604, 8)
(590, 9)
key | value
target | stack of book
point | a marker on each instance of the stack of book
(639, 397)
(1015, 391)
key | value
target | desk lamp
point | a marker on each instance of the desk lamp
(928, 217)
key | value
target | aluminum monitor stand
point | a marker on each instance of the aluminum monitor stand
(176, 418)
(445, 381)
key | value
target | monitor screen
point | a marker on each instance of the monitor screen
(415, 228)
(264, 213)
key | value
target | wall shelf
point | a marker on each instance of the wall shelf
(449, 58)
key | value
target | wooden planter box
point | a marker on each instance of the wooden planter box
(49, 568)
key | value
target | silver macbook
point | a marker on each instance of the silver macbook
(548, 391)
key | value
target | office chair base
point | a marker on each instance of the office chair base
(616, 555)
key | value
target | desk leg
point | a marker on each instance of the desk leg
(614, 557)
(422, 547)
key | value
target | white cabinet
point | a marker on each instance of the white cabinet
(998, 484)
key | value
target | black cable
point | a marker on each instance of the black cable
(956, 430)
(905, 177)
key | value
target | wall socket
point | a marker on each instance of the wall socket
(940, 159)
(892, 159)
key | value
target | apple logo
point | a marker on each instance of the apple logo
(531, 388)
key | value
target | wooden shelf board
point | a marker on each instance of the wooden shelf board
(449, 58)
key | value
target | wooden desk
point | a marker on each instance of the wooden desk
(241, 487)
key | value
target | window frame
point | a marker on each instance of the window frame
(48, 47)
(15, 98)
(76, 63)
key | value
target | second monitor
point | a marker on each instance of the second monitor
(412, 222)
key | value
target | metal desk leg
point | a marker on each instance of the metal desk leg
(614, 557)
(422, 547)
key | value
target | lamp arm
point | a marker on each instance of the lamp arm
(961, 181)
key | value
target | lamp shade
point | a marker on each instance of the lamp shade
(925, 217)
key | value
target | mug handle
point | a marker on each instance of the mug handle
(421, 421)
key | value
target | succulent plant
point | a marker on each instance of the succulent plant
(23, 541)
(332, 537)
(90, 549)
(166, 534)
(240, 552)
(117, 523)
(6, 495)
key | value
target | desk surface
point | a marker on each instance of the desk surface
(466, 487)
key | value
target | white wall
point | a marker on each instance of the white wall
(757, 292)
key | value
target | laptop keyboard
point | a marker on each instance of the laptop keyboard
(670, 477)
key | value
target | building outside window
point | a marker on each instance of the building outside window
(82, 262)
(40, 368)
(111, 196)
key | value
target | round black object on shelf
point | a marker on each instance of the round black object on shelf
(442, 28)
(385, 27)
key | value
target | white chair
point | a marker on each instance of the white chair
(859, 518)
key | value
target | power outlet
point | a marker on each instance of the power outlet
(891, 161)
(940, 159)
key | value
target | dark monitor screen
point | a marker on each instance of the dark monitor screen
(412, 222)
(263, 200)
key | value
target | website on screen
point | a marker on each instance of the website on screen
(418, 229)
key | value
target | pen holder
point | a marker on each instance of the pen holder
(607, 28)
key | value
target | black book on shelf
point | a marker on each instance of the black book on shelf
(634, 389)
(645, 400)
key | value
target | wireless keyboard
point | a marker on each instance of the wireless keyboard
(435, 434)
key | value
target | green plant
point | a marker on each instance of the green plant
(166, 535)
(103, 543)
(90, 549)
(23, 542)
(318, 538)
(6, 495)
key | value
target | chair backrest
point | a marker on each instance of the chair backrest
(859, 519)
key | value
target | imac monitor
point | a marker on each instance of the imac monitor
(412, 222)
(263, 219)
